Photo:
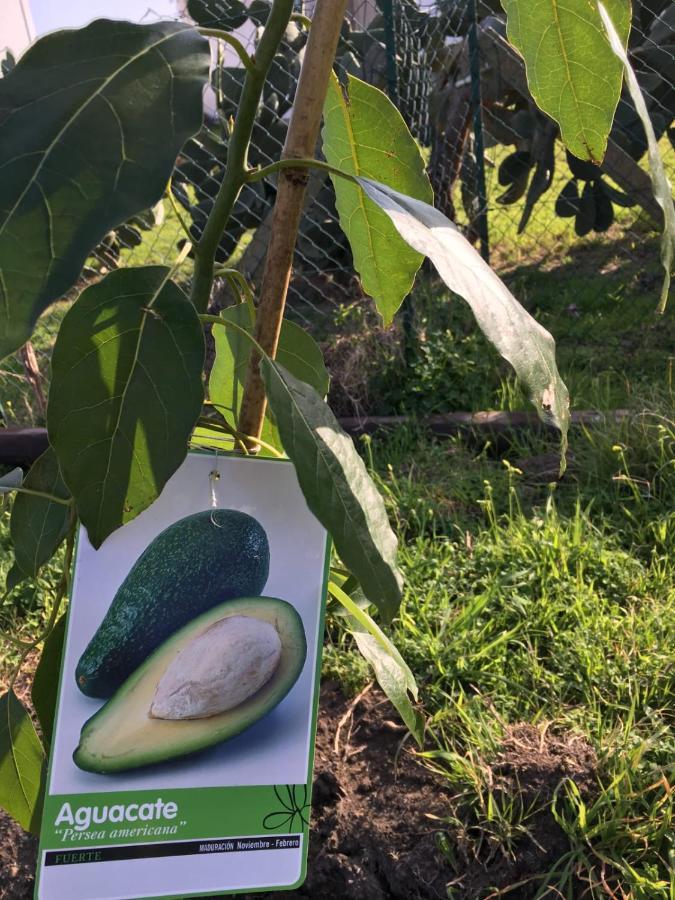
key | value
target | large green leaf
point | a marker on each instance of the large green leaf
(21, 764)
(45, 689)
(38, 525)
(571, 70)
(517, 336)
(125, 394)
(660, 184)
(336, 485)
(364, 134)
(91, 123)
(297, 351)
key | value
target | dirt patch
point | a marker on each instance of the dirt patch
(509, 855)
(378, 813)
(17, 860)
(536, 760)
(371, 838)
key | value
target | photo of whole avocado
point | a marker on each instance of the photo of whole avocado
(189, 654)
(193, 565)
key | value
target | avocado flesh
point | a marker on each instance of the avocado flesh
(122, 735)
(193, 565)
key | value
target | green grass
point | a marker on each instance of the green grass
(526, 604)
(611, 346)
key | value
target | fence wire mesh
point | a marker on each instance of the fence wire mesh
(523, 199)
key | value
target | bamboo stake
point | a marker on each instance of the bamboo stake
(303, 133)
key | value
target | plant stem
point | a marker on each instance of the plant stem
(238, 436)
(43, 495)
(217, 320)
(237, 153)
(299, 163)
(301, 138)
(236, 45)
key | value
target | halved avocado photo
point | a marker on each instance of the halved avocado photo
(208, 682)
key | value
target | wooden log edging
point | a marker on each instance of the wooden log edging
(483, 423)
(22, 446)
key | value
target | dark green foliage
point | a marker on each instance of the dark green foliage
(336, 485)
(191, 566)
(120, 415)
(567, 205)
(226, 15)
(45, 687)
(514, 166)
(22, 762)
(38, 525)
(55, 209)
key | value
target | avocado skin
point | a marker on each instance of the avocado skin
(121, 736)
(193, 565)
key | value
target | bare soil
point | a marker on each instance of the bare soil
(378, 813)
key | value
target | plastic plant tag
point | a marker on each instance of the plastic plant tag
(183, 744)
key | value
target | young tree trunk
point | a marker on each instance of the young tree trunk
(301, 138)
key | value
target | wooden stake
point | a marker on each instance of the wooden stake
(301, 139)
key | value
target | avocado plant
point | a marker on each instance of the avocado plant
(93, 121)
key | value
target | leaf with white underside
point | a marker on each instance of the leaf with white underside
(572, 73)
(11, 481)
(391, 670)
(519, 338)
(663, 192)
(91, 122)
(364, 134)
(336, 485)
(126, 392)
(38, 525)
(22, 762)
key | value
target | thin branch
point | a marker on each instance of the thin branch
(217, 320)
(174, 203)
(239, 283)
(233, 42)
(42, 494)
(299, 163)
(242, 439)
(237, 154)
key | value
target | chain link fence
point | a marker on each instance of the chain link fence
(496, 162)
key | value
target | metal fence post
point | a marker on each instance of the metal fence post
(390, 45)
(479, 149)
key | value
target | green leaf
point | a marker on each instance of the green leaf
(232, 353)
(125, 394)
(391, 670)
(45, 689)
(517, 336)
(336, 485)
(92, 122)
(663, 192)
(21, 764)
(571, 70)
(38, 525)
(297, 351)
(364, 134)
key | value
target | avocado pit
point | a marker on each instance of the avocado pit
(218, 669)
